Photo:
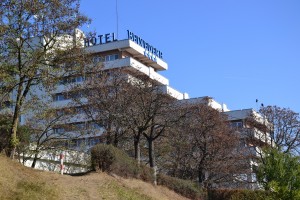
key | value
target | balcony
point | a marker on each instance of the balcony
(137, 67)
(173, 93)
(131, 47)
(66, 103)
(254, 133)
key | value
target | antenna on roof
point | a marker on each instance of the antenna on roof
(117, 18)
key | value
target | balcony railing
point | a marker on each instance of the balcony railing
(136, 66)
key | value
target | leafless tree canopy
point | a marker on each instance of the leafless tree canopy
(285, 128)
(204, 148)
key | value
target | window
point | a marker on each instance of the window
(80, 110)
(79, 126)
(236, 124)
(73, 143)
(60, 112)
(74, 79)
(93, 141)
(58, 130)
(111, 57)
(98, 59)
(94, 125)
(80, 142)
(76, 95)
(58, 97)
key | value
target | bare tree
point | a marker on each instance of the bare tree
(204, 148)
(104, 101)
(285, 128)
(128, 106)
(43, 136)
(36, 42)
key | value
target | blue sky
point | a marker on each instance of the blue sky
(235, 51)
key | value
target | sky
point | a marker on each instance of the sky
(235, 51)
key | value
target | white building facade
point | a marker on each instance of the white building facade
(132, 55)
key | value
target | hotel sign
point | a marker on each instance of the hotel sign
(100, 39)
(150, 51)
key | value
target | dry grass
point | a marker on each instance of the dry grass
(19, 182)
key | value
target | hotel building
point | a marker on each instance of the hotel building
(134, 56)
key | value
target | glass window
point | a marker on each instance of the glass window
(58, 130)
(80, 142)
(80, 110)
(95, 125)
(79, 79)
(77, 94)
(79, 126)
(58, 97)
(111, 57)
(93, 141)
(73, 143)
(97, 59)
(237, 124)
(62, 81)
(74, 79)
(60, 112)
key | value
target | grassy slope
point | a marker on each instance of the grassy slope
(19, 182)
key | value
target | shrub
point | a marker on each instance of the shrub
(108, 158)
(186, 188)
(227, 194)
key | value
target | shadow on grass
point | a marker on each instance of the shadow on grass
(81, 173)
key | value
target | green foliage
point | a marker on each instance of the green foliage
(23, 134)
(30, 36)
(186, 188)
(108, 158)
(5, 126)
(14, 141)
(279, 173)
(226, 194)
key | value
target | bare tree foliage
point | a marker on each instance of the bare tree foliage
(104, 102)
(204, 148)
(42, 123)
(36, 41)
(129, 108)
(285, 128)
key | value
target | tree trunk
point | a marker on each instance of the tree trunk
(34, 159)
(116, 141)
(13, 139)
(19, 102)
(201, 176)
(152, 158)
(137, 151)
(151, 152)
(108, 137)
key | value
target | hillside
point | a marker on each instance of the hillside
(19, 182)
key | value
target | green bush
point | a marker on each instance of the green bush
(227, 194)
(186, 188)
(108, 158)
